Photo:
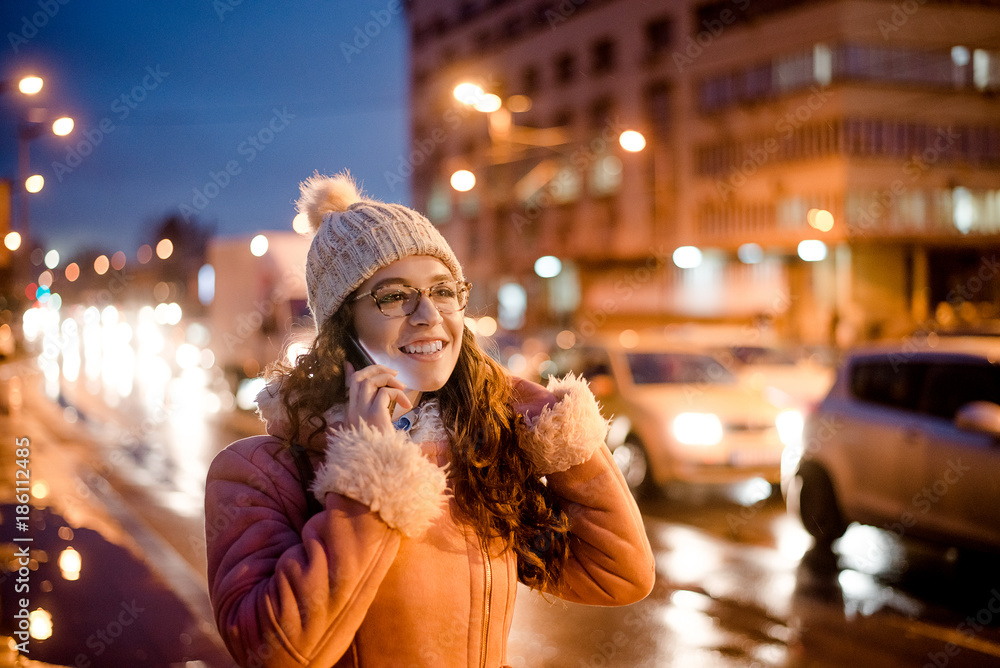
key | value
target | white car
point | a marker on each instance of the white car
(677, 414)
(788, 376)
(907, 439)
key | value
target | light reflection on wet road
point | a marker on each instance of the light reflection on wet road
(736, 583)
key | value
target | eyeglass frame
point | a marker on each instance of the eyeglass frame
(460, 286)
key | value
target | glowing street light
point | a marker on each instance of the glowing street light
(164, 248)
(820, 219)
(548, 266)
(301, 223)
(62, 126)
(30, 85)
(34, 183)
(812, 250)
(258, 245)
(632, 141)
(687, 257)
(463, 180)
(468, 93)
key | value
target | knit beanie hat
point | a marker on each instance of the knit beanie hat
(356, 236)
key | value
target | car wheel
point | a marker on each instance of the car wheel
(818, 507)
(634, 464)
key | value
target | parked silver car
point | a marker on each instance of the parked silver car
(907, 439)
(678, 414)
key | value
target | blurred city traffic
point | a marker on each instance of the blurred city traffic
(765, 233)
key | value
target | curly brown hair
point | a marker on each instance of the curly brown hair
(496, 487)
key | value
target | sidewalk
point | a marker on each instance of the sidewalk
(86, 570)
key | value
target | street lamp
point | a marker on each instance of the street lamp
(632, 141)
(29, 130)
(27, 85)
(30, 85)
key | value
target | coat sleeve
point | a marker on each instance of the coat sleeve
(610, 560)
(289, 592)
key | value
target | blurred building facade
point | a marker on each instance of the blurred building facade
(867, 125)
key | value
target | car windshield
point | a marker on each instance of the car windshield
(762, 355)
(654, 368)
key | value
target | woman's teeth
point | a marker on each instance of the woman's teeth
(423, 348)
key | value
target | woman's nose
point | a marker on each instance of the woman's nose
(426, 313)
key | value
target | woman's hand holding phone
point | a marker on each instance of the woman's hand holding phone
(373, 392)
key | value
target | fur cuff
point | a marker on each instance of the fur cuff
(566, 433)
(385, 471)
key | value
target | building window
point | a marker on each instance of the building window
(658, 37)
(603, 56)
(468, 11)
(530, 80)
(658, 107)
(954, 69)
(600, 113)
(565, 68)
(986, 70)
(606, 176)
(513, 27)
(563, 118)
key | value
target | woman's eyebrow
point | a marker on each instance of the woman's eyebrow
(395, 280)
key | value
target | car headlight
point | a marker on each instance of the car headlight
(790, 424)
(697, 428)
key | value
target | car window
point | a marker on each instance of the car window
(762, 355)
(888, 382)
(586, 362)
(653, 368)
(948, 387)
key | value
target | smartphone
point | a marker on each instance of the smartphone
(357, 355)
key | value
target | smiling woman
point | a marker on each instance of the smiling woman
(428, 503)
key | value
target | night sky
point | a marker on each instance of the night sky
(211, 109)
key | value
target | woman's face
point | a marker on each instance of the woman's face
(423, 346)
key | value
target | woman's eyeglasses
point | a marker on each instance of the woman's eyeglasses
(397, 301)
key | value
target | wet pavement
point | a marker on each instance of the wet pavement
(78, 584)
(122, 445)
(739, 587)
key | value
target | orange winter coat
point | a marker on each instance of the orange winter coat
(387, 574)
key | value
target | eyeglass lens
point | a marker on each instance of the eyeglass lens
(403, 299)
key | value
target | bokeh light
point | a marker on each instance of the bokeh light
(164, 249)
(463, 180)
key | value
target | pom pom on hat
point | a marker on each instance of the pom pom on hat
(321, 195)
(354, 236)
